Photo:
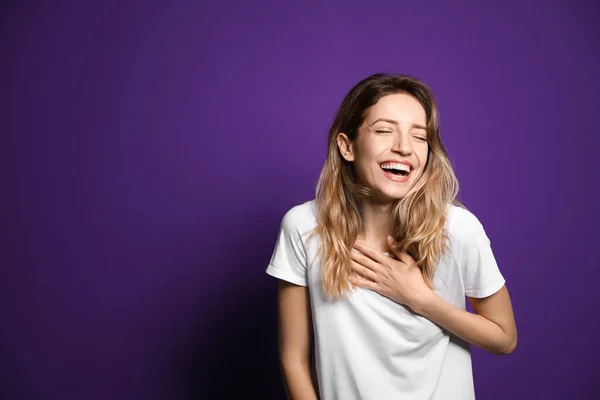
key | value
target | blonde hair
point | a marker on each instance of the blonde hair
(418, 218)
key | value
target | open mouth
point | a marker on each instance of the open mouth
(399, 170)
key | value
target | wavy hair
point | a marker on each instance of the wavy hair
(418, 218)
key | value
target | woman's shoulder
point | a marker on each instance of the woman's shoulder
(300, 217)
(461, 223)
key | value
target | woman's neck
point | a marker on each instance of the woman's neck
(376, 225)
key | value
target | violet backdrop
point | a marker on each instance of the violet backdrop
(150, 150)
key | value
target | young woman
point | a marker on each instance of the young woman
(379, 264)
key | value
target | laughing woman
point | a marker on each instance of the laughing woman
(378, 267)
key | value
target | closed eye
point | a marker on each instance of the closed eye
(380, 131)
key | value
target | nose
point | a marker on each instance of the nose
(402, 144)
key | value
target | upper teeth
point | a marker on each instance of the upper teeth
(402, 167)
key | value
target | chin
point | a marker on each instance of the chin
(389, 196)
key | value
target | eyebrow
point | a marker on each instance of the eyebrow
(394, 122)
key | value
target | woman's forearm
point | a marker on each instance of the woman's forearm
(298, 381)
(472, 328)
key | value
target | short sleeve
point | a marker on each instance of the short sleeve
(481, 275)
(289, 259)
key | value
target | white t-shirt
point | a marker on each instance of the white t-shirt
(368, 347)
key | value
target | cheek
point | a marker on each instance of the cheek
(367, 153)
(422, 155)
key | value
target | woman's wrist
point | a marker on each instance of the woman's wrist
(423, 303)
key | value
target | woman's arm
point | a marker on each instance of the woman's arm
(294, 341)
(492, 328)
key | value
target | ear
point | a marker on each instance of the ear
(345, 146)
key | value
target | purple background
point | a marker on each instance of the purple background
(150, 151)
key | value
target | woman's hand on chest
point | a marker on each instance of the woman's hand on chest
(399, 279)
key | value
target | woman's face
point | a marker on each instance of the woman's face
(390, 151)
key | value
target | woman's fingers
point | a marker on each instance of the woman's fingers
(407, 259)
(364, 271)
(364, 260)
(369, 252)
(358, 280)
(401, 256)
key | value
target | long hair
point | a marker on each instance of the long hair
(418, 219)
